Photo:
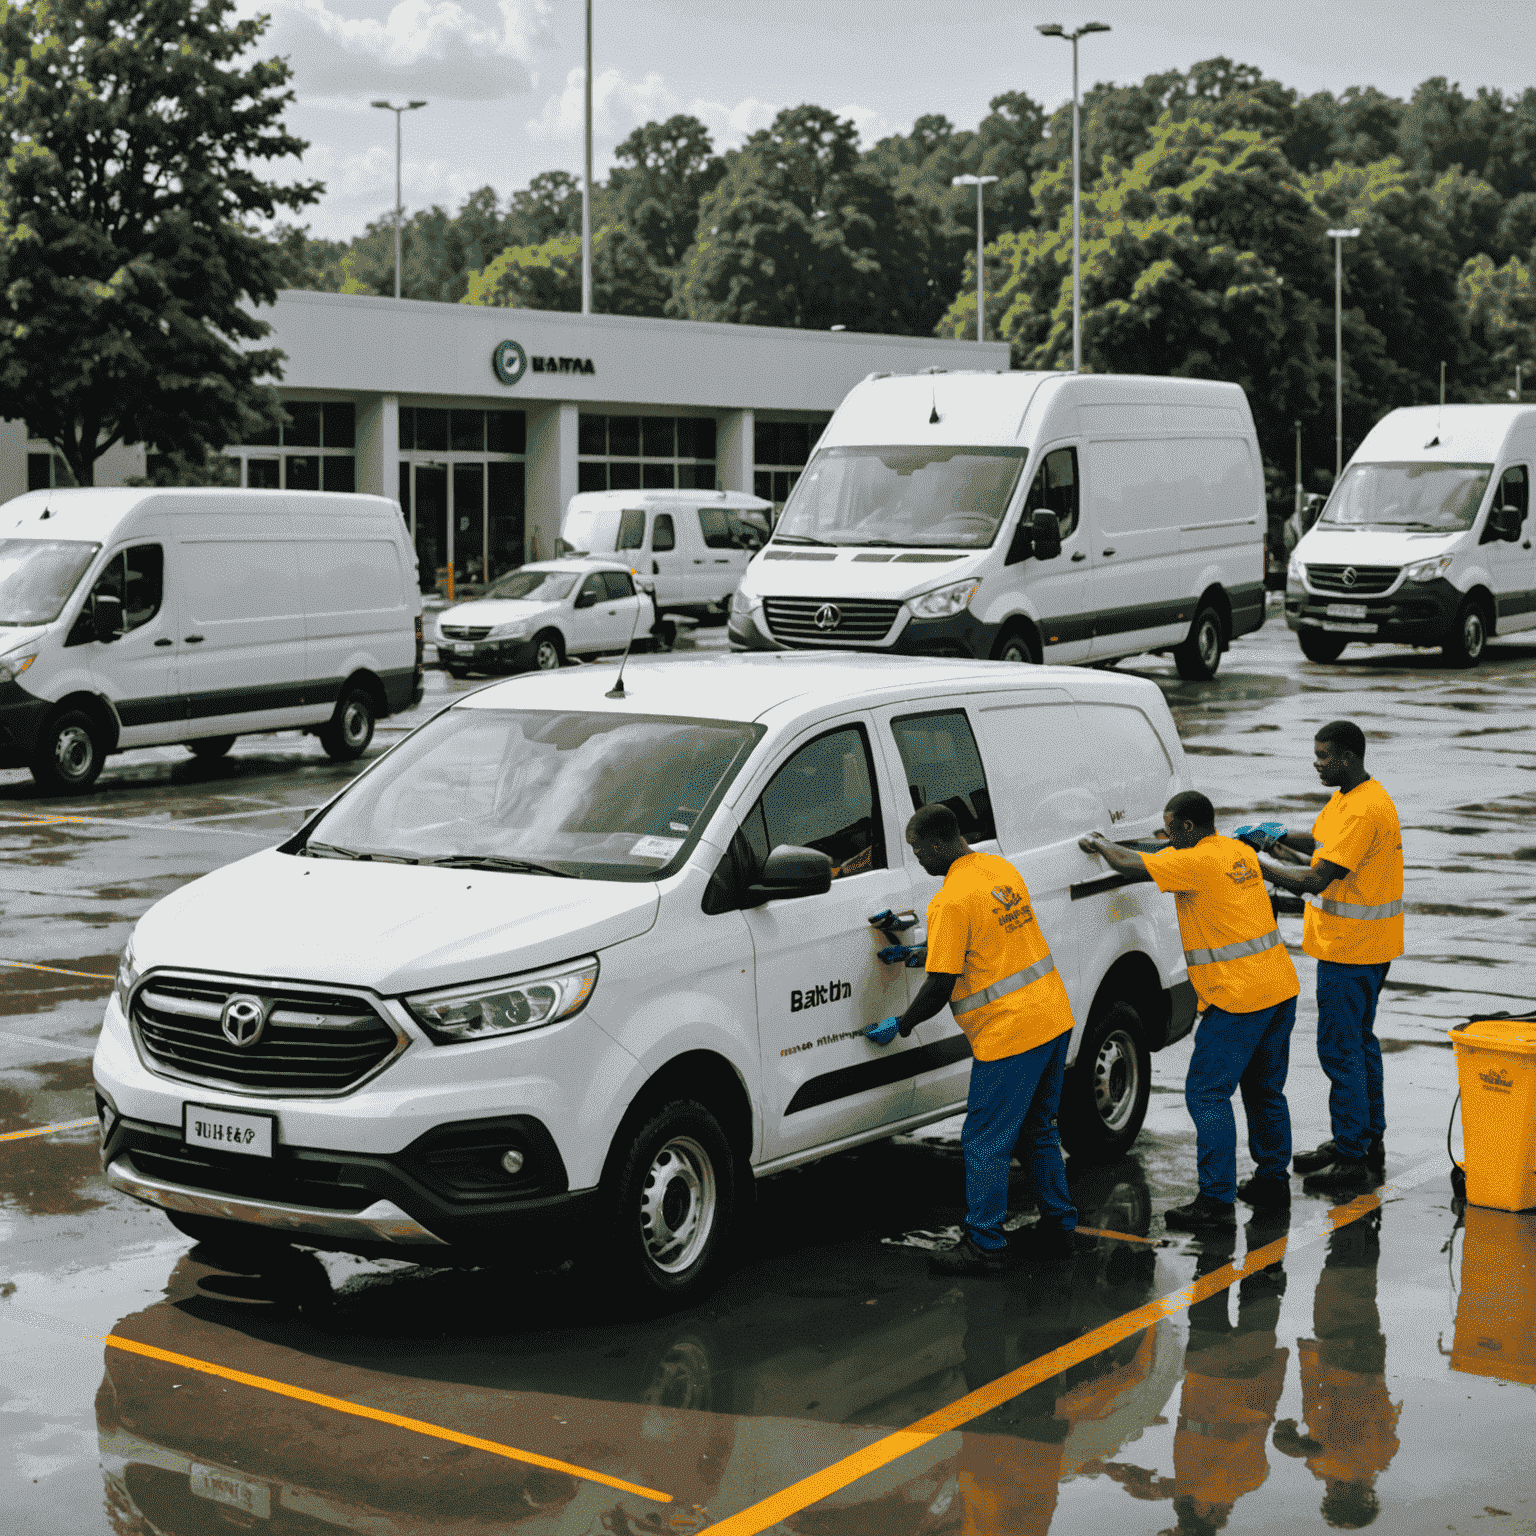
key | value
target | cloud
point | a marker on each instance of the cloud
(477, 50)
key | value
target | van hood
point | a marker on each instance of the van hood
(879, 573)
(19, 637)
(391, 927)
(495, 610)
(1372, 546)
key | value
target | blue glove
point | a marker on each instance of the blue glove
(1263, 837)
(893, 922)
(883, 1032)
(909, 955)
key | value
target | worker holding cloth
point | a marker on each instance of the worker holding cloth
(1353, 928)
(1247, 989)
(985, 945)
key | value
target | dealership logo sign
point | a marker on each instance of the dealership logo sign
(511, 362)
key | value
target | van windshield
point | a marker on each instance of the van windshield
(953, 498)
(593, 531)
(561, 792)
(1439, 497)
(37, 576)
(541, 586)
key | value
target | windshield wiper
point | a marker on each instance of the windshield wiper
(800, 538)
(315, 850)
(497, 862)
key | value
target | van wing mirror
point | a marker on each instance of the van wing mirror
(790, 871)
(106, 618)
(1506, 523)
(1047, 535)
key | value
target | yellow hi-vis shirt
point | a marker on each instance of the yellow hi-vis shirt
(1236, 957)
(981, 927)
(1358, 920)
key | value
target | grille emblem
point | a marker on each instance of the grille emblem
(1350, 576)
(243, 1020)
(828, 616)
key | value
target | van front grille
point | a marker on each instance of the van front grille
(1352, 580)
(830, 621)
(310, 1043)
(464, 631)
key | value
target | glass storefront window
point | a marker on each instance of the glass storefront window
(327, 427)
(656, 453)
(780, 450)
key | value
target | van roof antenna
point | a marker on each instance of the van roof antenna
(617, 691)
(933, 389)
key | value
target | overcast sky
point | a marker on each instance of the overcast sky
(503, 77)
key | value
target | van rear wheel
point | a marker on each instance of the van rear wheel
(1104, 1096)
(1199, 656)
(345, 736)
(69, 755)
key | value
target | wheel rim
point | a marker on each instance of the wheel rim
(1473, 635)
(1015, 650)
(677, 1205)
(548, 657)
(1208, 641)
(74, 752)
(355, 723)
(1116, 1080)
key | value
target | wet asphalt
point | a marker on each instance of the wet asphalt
(1375, 1367)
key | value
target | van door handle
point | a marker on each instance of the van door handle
(1079, 556)
(1109, 551)
(722, 559)
(698, 562)
(655, 569)
(192, 639)
(164, 640)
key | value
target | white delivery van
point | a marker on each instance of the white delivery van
(1021, 516)
(563, 962)
(1426, 539)
(691, 546)
(138, 617)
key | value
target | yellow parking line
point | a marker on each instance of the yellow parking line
(13, 820)
(361, 1411)
(53, 970)
(1124, 1237)
(44, 1130)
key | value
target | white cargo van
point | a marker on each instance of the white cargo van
(139, 617)
(692, 547)
(1426, 539)
(566, 963)
(1020, 516)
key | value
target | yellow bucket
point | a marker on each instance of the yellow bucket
(1496, 1313)
(1496, 1064)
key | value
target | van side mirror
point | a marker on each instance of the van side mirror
(1505, 523)
(790, 871)
(106, 618)
(1047, 532)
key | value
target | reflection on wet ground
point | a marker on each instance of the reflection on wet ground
(1380, 1376)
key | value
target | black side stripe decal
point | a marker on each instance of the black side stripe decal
(880, 1073)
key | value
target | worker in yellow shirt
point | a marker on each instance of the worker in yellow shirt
(990, 965)
(1247, 989)
(1354, 930)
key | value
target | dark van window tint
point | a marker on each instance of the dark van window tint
(631, 530)
(663, 537)
(822, 798)
(716, 527)
(943, 766)
(136, 578)
(1055, 489)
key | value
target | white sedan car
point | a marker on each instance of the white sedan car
(545, 612)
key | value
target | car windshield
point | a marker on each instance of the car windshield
(37, 576)
(952, 498)
(597, 795)
(542, 586)
(1442, 497)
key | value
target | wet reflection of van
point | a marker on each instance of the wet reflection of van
(1020, 516)
(1426, 539)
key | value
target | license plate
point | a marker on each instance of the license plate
(227, 1130)
(1349, 629)
(469, 650)
(225, 1488)
(1346, 610)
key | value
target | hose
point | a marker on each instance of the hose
(1448, 1124)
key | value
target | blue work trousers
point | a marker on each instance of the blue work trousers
(1350, 1054)
(1248, 1052)
(1012, 1103)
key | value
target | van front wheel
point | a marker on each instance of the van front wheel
(69, 754)
(1014, 646)
(1104, 1096)
(345, 736)
(1468, 636)
(1199, 656)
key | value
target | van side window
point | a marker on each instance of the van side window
(715, 524)
(1514, 491)
(942, 764)
(663, 536)
(136, 578)
(631, 530)
(618, 584)
(1055, 489)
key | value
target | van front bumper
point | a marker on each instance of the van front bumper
(1417, 613)
(21, 722)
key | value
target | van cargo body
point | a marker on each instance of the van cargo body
(1020, 516)
(142, 617)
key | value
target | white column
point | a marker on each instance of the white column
(551, 474)
(733, 451)
(378, 445)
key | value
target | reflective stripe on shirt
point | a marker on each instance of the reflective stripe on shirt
(1004, 987)
(1360, 914)
(1238, 951)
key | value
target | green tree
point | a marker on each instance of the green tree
(1500, 308)
(664, 171)
(129, 261)
(548, 276)
(548, 206)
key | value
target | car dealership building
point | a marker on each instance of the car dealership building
(485, 422)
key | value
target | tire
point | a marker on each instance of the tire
(1014, 646)
(70, 753)
(1320, 647)
(548, 652)
(346, 735)
(671, 1200)
(1198, 657)
(1104, 1097)
(1467, 637)
(210, 748)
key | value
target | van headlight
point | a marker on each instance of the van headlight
(11, 667)
(126, 980)
(1428, 570)
(515, 629)
(505, 1007)
(1293, 572)
(741, 604)
(943, 602)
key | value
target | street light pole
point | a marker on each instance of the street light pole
(387, 106)
(586, 180)
(981, 280)
(1339, 236)
(1054, 29)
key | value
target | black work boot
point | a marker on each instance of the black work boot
(1202, 1214)
(1321, 1157)
(1344, 1178)
(965, 1258)
(1265, 1194)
